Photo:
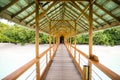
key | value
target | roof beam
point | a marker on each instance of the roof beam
(86, 8)
(78, 24)
(22, 9)
(8, 17)
(86, 15)
(107, 11)
(63, 10)
(63, 0)
(27, 16)
(117, 2)
(43, 12)
(77, 7)
(54, 9)
(101, 18)
(41, 15)
(71, 14)
(30, 21)
(8, 5)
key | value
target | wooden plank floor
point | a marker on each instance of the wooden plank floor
(62, 67)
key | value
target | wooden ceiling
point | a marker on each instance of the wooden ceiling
(62, 15)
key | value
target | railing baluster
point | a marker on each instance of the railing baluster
(29, 75)
(94, 60)
(21, 70)
(86, 72)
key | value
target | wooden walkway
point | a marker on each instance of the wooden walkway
(62, 67)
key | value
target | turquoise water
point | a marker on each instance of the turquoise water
(14, 56)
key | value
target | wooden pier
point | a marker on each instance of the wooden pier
(62, 67)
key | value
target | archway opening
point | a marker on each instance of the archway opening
(62, 39)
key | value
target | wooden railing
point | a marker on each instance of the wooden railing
(80, 59)
(45, 60)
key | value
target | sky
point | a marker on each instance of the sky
(6, 21)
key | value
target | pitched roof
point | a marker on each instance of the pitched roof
(62, 14)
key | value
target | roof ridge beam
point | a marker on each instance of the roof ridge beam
(106, 11)
(8, 5)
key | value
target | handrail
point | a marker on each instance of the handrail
(100, 66)
(25, 67)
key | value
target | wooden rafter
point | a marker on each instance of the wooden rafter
(70, 14)
(71, 25)
(8, 5)
(30, 21)
(77, 7)
(54, 9)
(83, 26)
(106, 11)
(86, 8)
(101, 18)
(63, 10)
(56, 14)
(27, 16)
(87, 16)
(74, 20)
(42, 15)
(117, 2)
(43, 12)
(96, 15)
(76, 13)
(22, 9)
(63, 0)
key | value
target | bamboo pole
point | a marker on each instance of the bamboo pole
(50, 38)
(90, 37)
(75, 42)
(37, 41)
(70, 39)
(86, 72)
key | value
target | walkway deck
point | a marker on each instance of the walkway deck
(62, 67)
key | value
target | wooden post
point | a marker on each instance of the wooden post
(53, 43)
(46, 59)
(37, 41)
(70, 38)
(75, 42)
(50, 38)
(85, 72)
(90, 37)
(79, 59)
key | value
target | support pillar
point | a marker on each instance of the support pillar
(85, 72)
(90, 37)
(50, 38)
(75, 42)
(70, 39)
(37, 41)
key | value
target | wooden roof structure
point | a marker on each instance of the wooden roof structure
(62, 15)
(62, 18)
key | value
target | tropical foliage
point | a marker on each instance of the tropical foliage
(106, 37)
(16, 34)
